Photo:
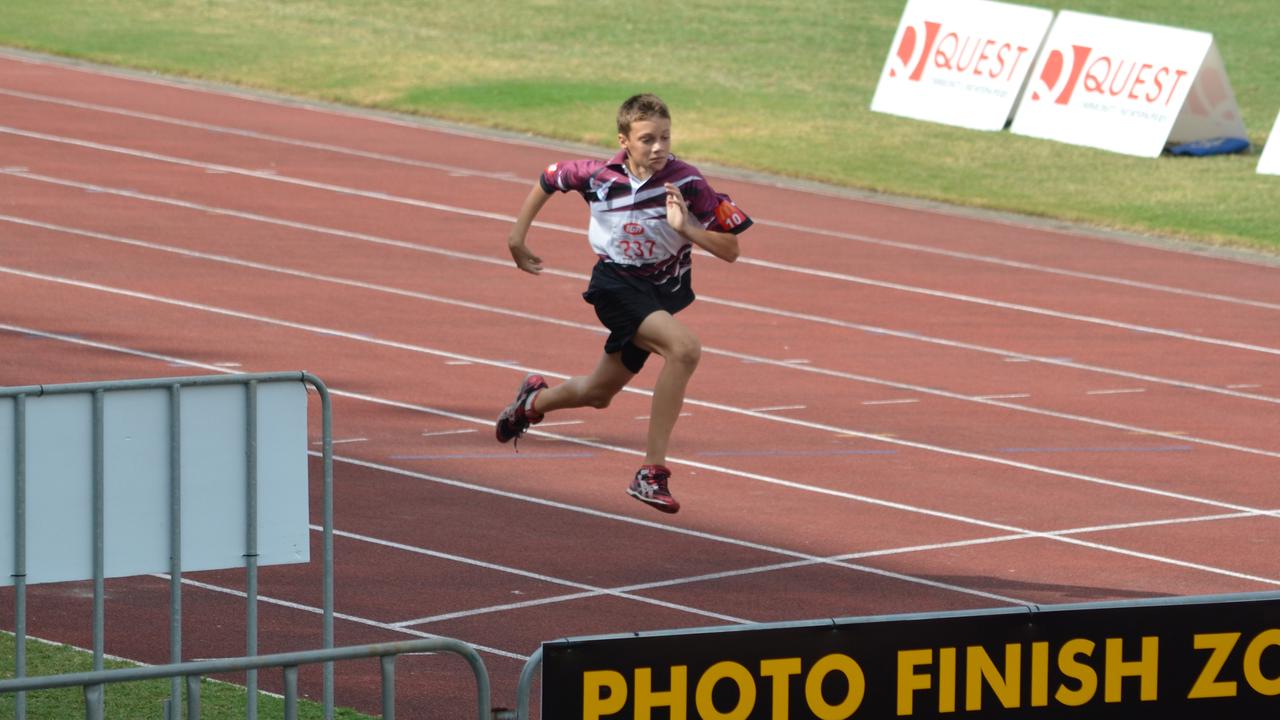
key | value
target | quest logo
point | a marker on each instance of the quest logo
(929, 48)
(1109, 76)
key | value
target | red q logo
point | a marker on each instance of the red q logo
(1052, 83)
(907, 47)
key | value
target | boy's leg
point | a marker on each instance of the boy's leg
(594, 390)
(534, 398)
(662, 334)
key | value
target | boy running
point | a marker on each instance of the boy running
(648, 210)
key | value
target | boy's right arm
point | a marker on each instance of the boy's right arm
(520, 252)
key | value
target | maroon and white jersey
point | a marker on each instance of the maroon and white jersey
(628, 225)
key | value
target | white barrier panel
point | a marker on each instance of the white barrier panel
(960, 62)
(136, 509)
(1127, 87)
(1269, 163)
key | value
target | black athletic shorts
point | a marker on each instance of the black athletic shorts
(622, 302)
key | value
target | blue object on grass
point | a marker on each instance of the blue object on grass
(1212, 146)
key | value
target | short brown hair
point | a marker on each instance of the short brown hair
(640, 107)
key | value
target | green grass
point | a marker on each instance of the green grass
(778, 87)
(218, 701)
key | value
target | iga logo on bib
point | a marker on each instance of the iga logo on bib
(632, 228)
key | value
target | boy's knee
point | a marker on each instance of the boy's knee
(688, 351)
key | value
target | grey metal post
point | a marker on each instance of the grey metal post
(388, 663)
(291, 692)
(175, 542)
(327, 425)
(98, 532)
(251, 543)
(20, 548)
(93, 702)
(525, 688)
(193, 697)
(99, 545)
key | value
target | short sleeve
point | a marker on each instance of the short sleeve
(567, 176)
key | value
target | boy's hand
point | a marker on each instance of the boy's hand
(677, 210)
(524, 257)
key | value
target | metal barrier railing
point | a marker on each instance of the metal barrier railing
(20, 396)
(525, 687)
(94, 682)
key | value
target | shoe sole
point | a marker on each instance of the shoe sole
(661, 507)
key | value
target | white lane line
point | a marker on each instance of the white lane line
(336, 615)
(1016, 307)
(438, 433)
(506, 263)
(507, 219)
(588, 590)
(276, 177)
(724, 470)
(904, 401)
(796, 564)
(510, 178)
(1109, 279)
(558, 423)
(1010, 396)
(777, 408)
(268, 137)
(513, 364)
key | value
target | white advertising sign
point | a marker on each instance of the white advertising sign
(1127, 87)
(1269, 164)
(59, 508)
(960, 62)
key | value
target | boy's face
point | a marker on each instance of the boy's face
(648, 145)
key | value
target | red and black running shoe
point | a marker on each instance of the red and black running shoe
(650, 487)
(519, 415)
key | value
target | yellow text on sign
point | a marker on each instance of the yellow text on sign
(605, 692)
(937, 670)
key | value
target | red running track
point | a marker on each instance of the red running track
(898, 409)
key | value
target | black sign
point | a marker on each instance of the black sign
(1180, 657)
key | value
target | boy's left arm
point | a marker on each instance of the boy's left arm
(723, 245)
